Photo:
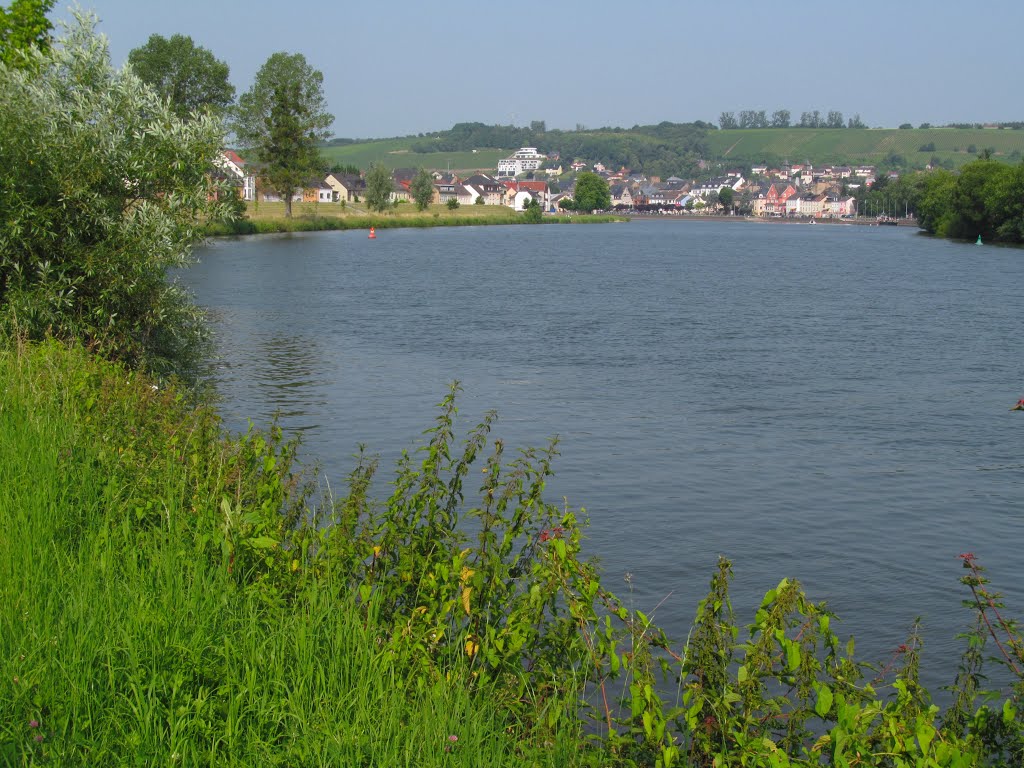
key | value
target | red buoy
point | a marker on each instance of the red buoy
(373, 234)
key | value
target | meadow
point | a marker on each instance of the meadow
(395, 153)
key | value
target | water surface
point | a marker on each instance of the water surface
(825, 403)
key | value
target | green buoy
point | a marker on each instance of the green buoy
(979, 240)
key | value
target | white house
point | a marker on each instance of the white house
(841, 206)
(233, 167)
(521, 199)
(717, 185)
(522, 160)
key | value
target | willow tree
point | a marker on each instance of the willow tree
(282, 118)
(24, 27)
(101, 190)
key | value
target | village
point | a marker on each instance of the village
(797, 190)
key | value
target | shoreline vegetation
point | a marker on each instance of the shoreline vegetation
(171, 594)
(185, 596)
(268, 218)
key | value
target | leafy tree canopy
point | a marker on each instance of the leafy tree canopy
(282, 117)
(100, 189)
(24, 26)
(592, 193)
(422, 189)
(346, 168)
(189, 76)
(378, 188)
(725, 197)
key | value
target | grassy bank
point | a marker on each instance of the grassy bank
(138, 620)
(310, 217)
(170, 595)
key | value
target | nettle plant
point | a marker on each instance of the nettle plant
(495, 591)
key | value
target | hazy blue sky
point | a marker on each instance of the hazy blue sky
(399, 67)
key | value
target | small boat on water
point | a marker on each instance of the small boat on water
(887, 221)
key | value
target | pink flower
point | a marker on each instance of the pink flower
(33, 723)
(453, 738)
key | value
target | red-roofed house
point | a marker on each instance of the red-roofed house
(535, 190)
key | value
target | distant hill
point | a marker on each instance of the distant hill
(661, 149)
(679, 148)
(397, 153)
(873, 146)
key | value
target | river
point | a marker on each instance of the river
(824, 403)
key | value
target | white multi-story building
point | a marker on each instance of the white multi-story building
(523, 160)
(233, 168)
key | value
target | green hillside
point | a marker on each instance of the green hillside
(396, 153)
(637, 149)
(867, 145)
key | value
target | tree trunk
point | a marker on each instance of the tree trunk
(288, 205)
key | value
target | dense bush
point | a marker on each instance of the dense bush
(101, 187)
(985, 199)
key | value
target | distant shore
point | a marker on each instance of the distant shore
(307, 223)
(859, 221)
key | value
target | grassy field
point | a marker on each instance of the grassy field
(268, 218)
(867, 145)
(395, 153)
(261, 211)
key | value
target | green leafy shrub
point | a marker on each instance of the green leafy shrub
(101, 187)
(533, 213)
(217, 589)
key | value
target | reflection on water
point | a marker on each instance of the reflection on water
(287, 378)
(281, 375)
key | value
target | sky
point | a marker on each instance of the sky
(408, 67)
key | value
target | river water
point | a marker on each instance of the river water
(826, 403)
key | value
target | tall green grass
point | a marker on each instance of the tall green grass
(126, 639)
(170, 595)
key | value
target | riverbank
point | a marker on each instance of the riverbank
(267, 218)
(183, 597)
(151, 611)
